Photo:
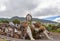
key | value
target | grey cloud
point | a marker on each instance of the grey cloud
(48, 11)
(17, 7)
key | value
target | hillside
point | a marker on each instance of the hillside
(22, 18)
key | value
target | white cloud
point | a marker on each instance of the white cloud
(3, 5)
(2, 8)
(57, 20)
(47, 4)
(43, 17)
(38, 8)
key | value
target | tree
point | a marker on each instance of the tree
(58, 26)
(49, 27)
(16, 21)
(0, 21)
(52, 27)
(4, 21)
(38, 21)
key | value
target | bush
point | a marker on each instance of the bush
(4, 21)
(57, 30)
(49, 27)
(58, 25)
(16, 21)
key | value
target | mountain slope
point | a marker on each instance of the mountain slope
(54, 18)
(22, 18)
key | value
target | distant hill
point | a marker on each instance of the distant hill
(22, 18)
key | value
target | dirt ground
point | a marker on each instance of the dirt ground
(55, 36)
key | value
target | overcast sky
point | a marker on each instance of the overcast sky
(38, 8)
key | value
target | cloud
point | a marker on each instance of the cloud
(2, 8)
(49, 17)
(57, 20)
(47, 12)
(2, 5)
(38, 8)
(47, 7)
(18, 7)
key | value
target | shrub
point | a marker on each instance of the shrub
(16, 21)
(4, 21)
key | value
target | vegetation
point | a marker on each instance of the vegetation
(16, 21)
(50, 27)
(38, 21)
(4, 21)
(53, 28)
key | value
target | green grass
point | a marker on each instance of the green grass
(58, 31)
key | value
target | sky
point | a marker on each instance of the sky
(37, 8)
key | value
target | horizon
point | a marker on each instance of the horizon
(50, 18)
(41, 9)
